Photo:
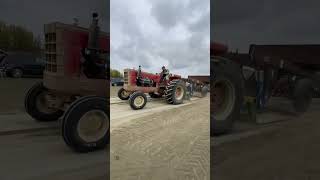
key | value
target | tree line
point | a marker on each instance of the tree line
(115, 73)
(16, 38)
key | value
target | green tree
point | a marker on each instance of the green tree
(115, 73)
(13, 37)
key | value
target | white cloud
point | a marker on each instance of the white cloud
(153, 33)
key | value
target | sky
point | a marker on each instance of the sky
(35, 13)
(153, 33)
(240, 23)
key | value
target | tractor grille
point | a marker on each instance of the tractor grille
(51, 52)
(126, 77)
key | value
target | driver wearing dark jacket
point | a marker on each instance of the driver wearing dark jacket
(164, 74)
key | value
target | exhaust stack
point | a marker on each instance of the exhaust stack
(94, 32)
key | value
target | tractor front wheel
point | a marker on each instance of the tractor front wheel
(138, 100)
(37, 106)
(175, 92)
(123, 94)
(86, 124)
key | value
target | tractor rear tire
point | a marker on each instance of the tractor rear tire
(153, 95)
(79, 117)
(123, 94)
(226, 96)
(36, 107)
(175, 91)
(137, 100)
(302, 95)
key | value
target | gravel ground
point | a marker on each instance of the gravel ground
(288, 152)
(168, 145)
(12, 93)
(114, 91)
(43, 155)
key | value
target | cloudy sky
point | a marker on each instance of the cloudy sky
(152, 33)
(33, 14)
(240, 23)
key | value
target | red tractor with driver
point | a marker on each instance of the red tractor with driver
(137, 83)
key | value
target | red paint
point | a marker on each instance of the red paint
(74, 42)
(218, 49)
(133, 76)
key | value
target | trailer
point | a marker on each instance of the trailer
(291, 71)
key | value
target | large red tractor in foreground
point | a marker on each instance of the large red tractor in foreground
(137, 83)
(75, 85)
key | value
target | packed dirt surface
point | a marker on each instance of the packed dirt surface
(114, 91)
(12, 93)
(121, 112)
(43, 155)
(284, 150)
(171, 144)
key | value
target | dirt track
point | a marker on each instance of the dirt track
(33, 150)
(171, 144)
(114, 91)
(286, 150)
(12, 92)
(43, 155)
(143, 145)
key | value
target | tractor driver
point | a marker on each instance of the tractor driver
(139, 77)
(164, 75)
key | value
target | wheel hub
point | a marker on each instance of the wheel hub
(179, 93)
(138, 101)
(43, 104)
(93, 125)
(17, 73)
(125, 94)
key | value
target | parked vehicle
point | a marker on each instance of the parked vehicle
(3, 54)
(117, 82)
(19, 64)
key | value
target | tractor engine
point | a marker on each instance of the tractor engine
(138, 78)
(75, 57)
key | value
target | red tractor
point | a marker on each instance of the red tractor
(75, 85)
(287, 70)
(137, 83)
